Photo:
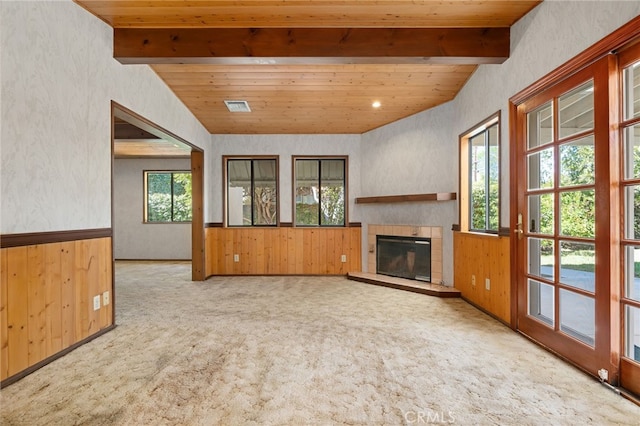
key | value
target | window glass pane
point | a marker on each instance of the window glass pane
(540, 126)
(264, 192)
(239, 197)
(332, 192)
(632, 273)
(576, 110)
(182, 197)
(540, 169)
(631, 83)
(541, 259)
(541, 214)
(632, 212)
(159, 197)
(577, 162)
(307, 192)
(478, 179)
(494, 178)
(578, 264)
(632, 151)
(577, 213)
(541, 301)
(632, 334)
(577, 316)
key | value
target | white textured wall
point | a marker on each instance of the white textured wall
(134, 239)
(58, 79)
(413, 156)
(544, 39)
(284, 146)
(420, 153)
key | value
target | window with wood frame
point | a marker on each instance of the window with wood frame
(480, 177)
(167, 196)
(251, 191)
(320, 191)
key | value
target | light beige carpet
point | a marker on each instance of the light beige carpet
(303, 351)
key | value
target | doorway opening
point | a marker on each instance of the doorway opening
(143, 156)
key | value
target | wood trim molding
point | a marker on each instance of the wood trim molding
(605, 46)
(197, 221)
(128, 259)
(35, 238)
(514, 154)
(143, 123)
(282, 225)
(16, 377)
(504, 231)
(481, 309)
(440, 196)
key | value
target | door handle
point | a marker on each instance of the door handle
(519, 232)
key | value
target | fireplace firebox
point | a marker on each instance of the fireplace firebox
(404, 257)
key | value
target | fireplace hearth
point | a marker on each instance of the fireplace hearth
(404, 257)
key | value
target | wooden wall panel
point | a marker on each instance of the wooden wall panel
(282, 251)
(67, 293)
(53, 298)
(4, 336)
(46, 299)
(484, 256)
(17, 318)
(36, 290)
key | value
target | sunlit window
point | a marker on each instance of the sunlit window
(252, 191)
(320, 191)
(480, 177)
(167, 196)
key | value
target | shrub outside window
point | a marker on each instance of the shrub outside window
(480, 177)
(485, 180)
(167, 196)
(252, 191)
(320, 191)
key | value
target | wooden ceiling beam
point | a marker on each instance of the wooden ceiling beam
(124, 130)
(311, 45)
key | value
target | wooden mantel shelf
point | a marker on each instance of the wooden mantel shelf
(437, 196)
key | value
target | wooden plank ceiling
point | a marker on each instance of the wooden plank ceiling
(310, 66)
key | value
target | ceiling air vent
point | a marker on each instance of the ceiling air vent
(237, 106)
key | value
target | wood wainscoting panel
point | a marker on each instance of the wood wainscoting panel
(46, 299)
(17, 310)
(4, 337)
(485, 257)
(282, 251)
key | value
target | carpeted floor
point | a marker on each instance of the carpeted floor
(302, 351)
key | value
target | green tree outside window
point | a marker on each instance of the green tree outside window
(168, 197)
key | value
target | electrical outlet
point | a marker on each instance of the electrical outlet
(96, 302)
(604, 374)
(473, 280)
(344, 258)
(487, 283)
(236, 258)
(105, 298)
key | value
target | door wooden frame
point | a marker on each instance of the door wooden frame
(197, 178)
(612, 43)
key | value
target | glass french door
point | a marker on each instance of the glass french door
(564, 206)
(629, 65)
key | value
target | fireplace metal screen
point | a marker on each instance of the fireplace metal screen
(404, 257)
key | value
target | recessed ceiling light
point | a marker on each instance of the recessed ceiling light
(376, 104)
(237, 106)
